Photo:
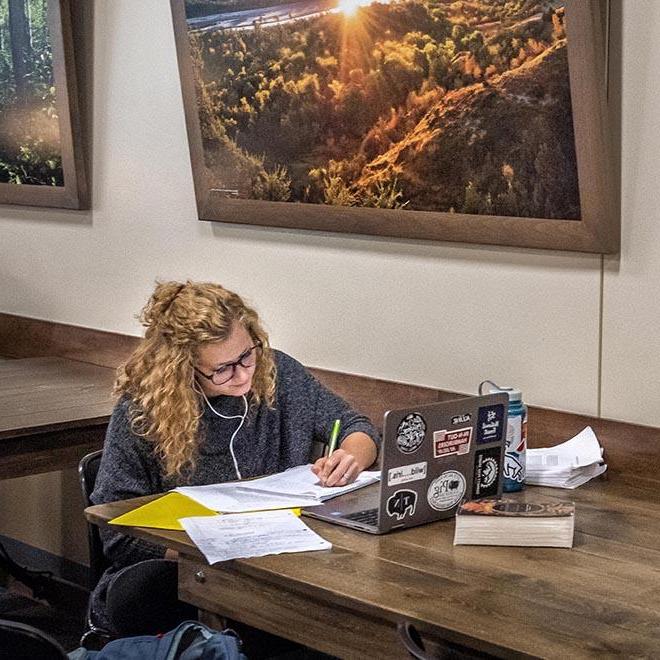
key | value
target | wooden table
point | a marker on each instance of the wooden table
(52, 412)
(599, 599)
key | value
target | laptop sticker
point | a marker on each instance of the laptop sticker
(446, 491)
(406, 473)
(446, 443)
(410, 433)
(490, 424)
(401, 504)
(461, 419)
(486, 471)
(513, 468)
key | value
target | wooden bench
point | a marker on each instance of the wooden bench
(52, 412)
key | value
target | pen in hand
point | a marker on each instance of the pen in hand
(334, 435)
(325, 467)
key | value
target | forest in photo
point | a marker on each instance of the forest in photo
(30, 149)
(435, 105)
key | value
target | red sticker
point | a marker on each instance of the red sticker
(446, 443)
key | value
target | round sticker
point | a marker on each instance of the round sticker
(446, 491)
(489, 472)
(410, 434)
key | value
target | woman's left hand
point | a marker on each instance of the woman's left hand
(337, 470)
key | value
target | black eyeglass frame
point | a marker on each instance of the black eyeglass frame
(232, 365)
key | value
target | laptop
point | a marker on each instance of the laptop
(433, 457)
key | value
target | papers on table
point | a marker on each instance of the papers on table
(263, 531)
(567, 465)
(295, 487)
(252, 535)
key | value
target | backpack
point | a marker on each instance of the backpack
(190, 640)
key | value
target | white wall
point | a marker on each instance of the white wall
(631, 318)
(442, 315)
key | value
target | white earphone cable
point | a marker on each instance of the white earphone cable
(238, 428)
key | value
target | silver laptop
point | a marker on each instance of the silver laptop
(433, 457)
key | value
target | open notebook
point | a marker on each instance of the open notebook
(302, 481)
(295, 487)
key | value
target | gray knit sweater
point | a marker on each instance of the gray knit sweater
(271, 440)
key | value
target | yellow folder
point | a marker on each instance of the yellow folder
(163, 513)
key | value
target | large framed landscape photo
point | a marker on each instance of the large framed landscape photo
(453, 120)
(41, 158)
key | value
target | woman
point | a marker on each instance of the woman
(204, 399)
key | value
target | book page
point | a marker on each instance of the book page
(229, 498)
(301, 481)
(295, 487)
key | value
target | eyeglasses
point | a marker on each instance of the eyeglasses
(226, 372)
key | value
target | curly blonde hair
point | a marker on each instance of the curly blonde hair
(159, 376)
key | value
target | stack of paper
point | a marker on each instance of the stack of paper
(567, 465)
(295, 487)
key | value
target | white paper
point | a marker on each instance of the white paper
(295, 487)
(227, 498)
(576, 478)
(301, 481)
(583, 449)
(567, 465)
(241, 535)
(587, 473)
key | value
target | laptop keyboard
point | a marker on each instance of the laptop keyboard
(368, 516)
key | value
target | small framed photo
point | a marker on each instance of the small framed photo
(41, 151)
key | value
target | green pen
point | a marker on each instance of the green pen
(334, 435)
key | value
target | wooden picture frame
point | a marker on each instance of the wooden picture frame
(597, 230)
(74, 193)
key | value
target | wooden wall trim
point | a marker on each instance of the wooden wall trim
(23, 337)
(631, 448)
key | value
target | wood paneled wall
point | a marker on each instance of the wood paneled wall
(630, 448)
(22, 337)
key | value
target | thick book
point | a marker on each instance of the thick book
(511, 522)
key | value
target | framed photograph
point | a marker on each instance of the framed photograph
(41, 158)
(479, 122)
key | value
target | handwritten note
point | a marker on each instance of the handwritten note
(257, 534)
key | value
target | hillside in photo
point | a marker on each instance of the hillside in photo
(498, 148)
